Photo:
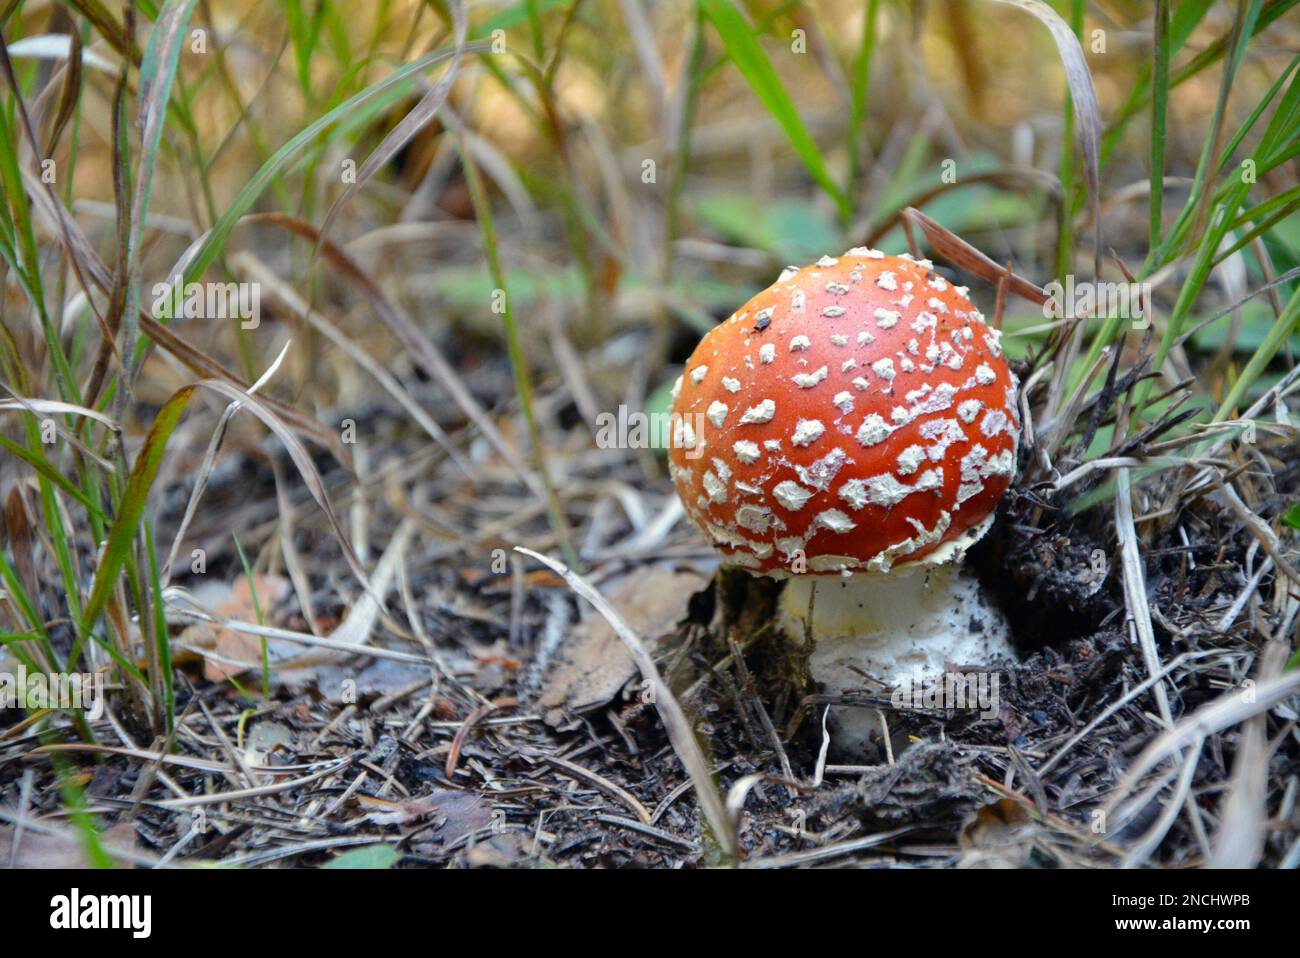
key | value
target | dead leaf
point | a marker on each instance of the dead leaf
(238, 646)
(377, 678)
(264, 738)
(506, 850)
(462, 812)
(592, 668)
(43, 850)
(543, 578)
(1000, 835)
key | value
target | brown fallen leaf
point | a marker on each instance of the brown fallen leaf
(265, 738)
(348, 683)
(238, 646)
(42, 850)
(543, 578)
(593, 666)
(462, 812)
(998, 835)
(505, 850)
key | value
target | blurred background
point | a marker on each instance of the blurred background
(644, 185)
(473, 228)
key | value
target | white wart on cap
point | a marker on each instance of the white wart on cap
(858, 415)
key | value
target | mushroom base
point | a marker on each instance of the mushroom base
(908, 627)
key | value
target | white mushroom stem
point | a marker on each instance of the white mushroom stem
(907, 626)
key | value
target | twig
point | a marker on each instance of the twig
(458, 741)
(675, 722)
(574, 770)
(1227, 710)
(1135, 591)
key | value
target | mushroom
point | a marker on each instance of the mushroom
(860, 426)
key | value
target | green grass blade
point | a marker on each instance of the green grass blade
(123, 531)
(1159, 111)
(858, 101)
(411, 124)
(1283, 327)
(257, 612)
(53, 475)
(157, 75)
(757, 69)
(161, 638)
(518, 361)
(216, 239)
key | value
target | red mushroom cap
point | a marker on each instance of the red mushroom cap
(858, 414)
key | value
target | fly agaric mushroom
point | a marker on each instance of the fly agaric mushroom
(861, 425)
